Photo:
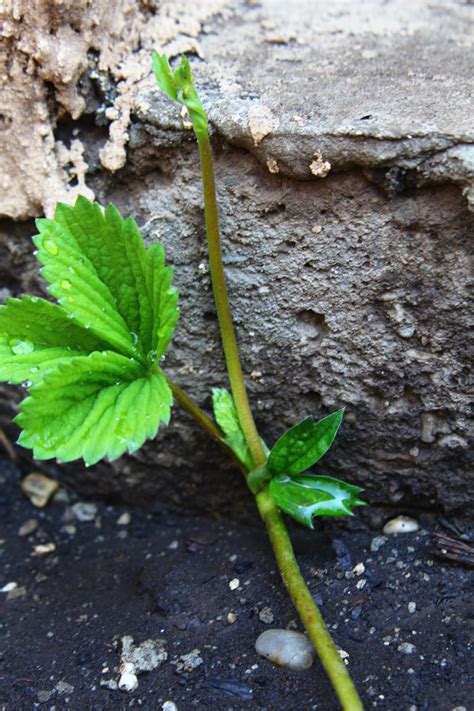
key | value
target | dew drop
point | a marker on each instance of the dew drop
(21, 347)
(34, 299)
(34, 369)
(50, 246)
(65, 284)
(134, 338)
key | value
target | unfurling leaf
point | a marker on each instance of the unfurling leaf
(92, 360)
(178, 85)
(304, 497)
(227, 419)
(304, 444)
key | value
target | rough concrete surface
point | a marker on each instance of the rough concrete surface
(344, 146)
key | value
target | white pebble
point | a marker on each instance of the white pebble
(231, 618)
(288, 649)
(9, 587)
(401, 524)
(84, 512)
(28, 527)
(411, 607)
(124, 519)
(377, 543)
(234, 583)
(169, 706)
(406, 648)
(266, 615)
(358, 569)
(128, 680)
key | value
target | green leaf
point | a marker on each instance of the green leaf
(227, 419)
(304, 497)
(178, 85)
(94, 406)
(91, 361)
(304, 444)
(164, 299)
(40, 335)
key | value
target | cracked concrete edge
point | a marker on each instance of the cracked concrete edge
(250, 104)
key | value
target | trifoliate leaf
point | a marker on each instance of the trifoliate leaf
(227, 419)
(304, 444)
(304, 497)
(94, 406)
(178, 85)
(92, 360)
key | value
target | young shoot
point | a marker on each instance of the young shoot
(90, 362)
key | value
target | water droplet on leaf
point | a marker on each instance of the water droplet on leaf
(21, 347)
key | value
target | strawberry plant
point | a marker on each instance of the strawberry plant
(91, 364)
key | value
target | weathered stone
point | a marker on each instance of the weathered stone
(286, 648)
(349, 289)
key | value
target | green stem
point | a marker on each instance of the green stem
(229, 341)
(305, 605)
(195, 411)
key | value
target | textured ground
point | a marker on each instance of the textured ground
(161, 576)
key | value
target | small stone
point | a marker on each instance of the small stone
(128, 679)
(62, 687)
(29, 527)
(401, 524)
(173, 545)
(411, 607)
(344, 655)
(45, 548)
(84, 512)
(9, 587)
(16, 593)
(38, 488)
(144, 657)
(109, 684)
(44, 695)
(231, 618)
(377, 543)
(406, 648)
(169, 706)
(358, 569)
(188, 662)
(234, 583)
(406, 331)
(288, 649)
(266, 615)
(124, 519)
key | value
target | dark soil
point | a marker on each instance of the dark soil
(166, 577)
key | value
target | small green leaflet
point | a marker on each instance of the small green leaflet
(304, 497)
(227, 419)
(304, 444)
(92, 360)
(178, 85)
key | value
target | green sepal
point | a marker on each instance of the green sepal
(304, 497)
(257, 478)
(178, 85)
(304, 444)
